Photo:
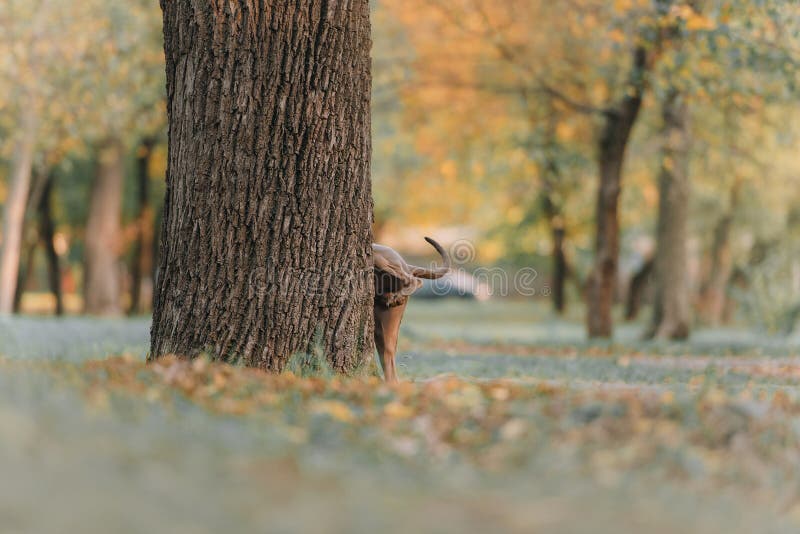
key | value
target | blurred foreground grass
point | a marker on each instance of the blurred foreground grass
(513, 422)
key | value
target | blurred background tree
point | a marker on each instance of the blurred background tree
(638, 151)
(601, 68)
(85, 96)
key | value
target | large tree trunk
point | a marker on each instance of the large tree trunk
(47, 232)
(612, 145)
(101, 286)
(142, 259)
(266, 233)
(671, 309)
(19, 184)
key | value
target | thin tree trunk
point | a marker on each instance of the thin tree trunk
(30, 238)
(552, 208)
(713, 296)
(266, 233)
(39, 198)
(612, 145)
(671, 310)
(101, 286)
(560, 268)
(14, 213)
(636, 290)
(142, 259)
(47, 236)
(25, 269)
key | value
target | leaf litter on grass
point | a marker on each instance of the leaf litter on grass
(557, 438)
(706, 442)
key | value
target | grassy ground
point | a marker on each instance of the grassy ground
(510, 421)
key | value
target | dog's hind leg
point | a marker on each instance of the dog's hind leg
(387, 331)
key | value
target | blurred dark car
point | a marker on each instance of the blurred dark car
(457, 284)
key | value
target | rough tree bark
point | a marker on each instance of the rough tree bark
(101, 285)
(266, 232)
(671, 307)
(142, 259)
(19, 184)
(613, 142)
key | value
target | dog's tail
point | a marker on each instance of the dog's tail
(438, 272)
